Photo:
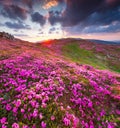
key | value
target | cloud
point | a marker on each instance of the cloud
(93, 28)
(75, 16)
(113, 27)
(41, 33)
(112, 2)
(51, 30)
(54, 17)
(50, 4)
(78, 10)
(21, 35)
(21, 3)
(28, 3)
(84, 16)
(19, 25)
(1, 24)
(14, 12)
(103, 18)
(38, 18)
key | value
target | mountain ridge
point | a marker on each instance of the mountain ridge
(76, 50)
(63, 83)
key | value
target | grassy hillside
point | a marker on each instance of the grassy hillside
(101, 56)
(93, 57)
(58, 84)
(83, 56)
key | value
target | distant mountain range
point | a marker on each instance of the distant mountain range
(104, 42)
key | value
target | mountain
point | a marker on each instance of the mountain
(65, 83)
(5, 35)
(106, 42)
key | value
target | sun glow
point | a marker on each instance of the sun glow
(47, 43)
(50, 4)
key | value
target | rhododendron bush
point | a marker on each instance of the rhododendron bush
(35, 93)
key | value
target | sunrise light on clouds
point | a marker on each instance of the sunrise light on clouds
(48, 19)
(59, 63)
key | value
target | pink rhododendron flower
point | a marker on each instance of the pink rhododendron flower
(33, 103)
(15, 125)
(8, 107)
(15, 110)
(3, 120)
(66, 121)
(118, 112)
(22, 110)
(18, 103)
(34, 126)
(92, 126)
(40, 116)
(90, 104)
(43, 124)
(75, 122)
(35, 113)
(25, 126)
(4, 126)
(52, 118)
(68, 107)
(44, 105)
(110, 125)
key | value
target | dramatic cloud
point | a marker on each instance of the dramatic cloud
(51, 30)
(93, 29)
(21, 35)
(113, 2)
(114, 27)
(103, 18)
(77, 10)
(19, 25)
(41, 33)
(38, 18)
(54, 17)
(50, 4)
(28, 3)
(23, 3)
(71, 16)
(14, 12)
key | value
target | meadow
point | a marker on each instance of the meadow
(59, 84)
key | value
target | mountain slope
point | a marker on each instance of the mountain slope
(102, 56)
(52, 84)
(106, 42)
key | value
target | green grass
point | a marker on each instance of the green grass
(82, 56)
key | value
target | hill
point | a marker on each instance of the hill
(106, 42)
(65, 83)
(102, 56)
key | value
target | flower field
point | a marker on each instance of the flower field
(36, 92)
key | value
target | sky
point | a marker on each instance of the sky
(37, 20)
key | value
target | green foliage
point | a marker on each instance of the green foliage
(77, 54)
(82, 56)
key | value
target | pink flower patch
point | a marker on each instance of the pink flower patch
(8, 107)
(18, 103)
(3, 120)
(15, 125)
(66, 121)
(43, 124)
(52, 118)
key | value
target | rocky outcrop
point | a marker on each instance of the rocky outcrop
(5, 35)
